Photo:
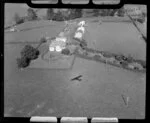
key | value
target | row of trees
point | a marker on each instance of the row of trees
(63, 15)
(51, 15)
(104, 12)
(68, 14)
(31, 15)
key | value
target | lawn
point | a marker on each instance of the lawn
(49, 92)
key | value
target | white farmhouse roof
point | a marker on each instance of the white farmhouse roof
(63, 39)
(78, 35)
(51, 48)
(58, 44)
(58, 49)
(81, 23)
(81, 29)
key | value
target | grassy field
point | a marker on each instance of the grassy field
(48, 92)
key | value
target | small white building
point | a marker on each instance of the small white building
(81, 28)
(58, 44)
(13, 29)
(81, 23)
(78, 35)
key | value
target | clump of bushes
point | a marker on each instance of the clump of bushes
(124, 63)
(97, 58)
(83, 43)
(28, 53)
(58, 17)
(23, 62)
(65, 51)
(143, 63)
(18, 19)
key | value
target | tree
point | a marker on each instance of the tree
(50, 14)
(58, 16)
(31, 14)
(112, 12)
(141, 19)
(96, 12)
(18, 19)
(23, 62)
(29, 52)
(104, 12)
(121, 12)
(75, 13)
(78, 13)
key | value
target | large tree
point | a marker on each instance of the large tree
(96, 12)
(18, 19)
(31, 14)
(30, 52)
(50, 14)
(121, 12)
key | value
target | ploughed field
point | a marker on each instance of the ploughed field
(103, 89)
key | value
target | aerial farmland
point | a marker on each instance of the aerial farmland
(81, 68)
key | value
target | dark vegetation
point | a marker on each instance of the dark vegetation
(65, 51)
(28, 53)
(18, 19)
(23, 62)
(71, 14)
(83, 43)
(63, 15)
(31, 14)
(123, 61)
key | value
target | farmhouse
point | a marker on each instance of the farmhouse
(80, 30)
(58, 44)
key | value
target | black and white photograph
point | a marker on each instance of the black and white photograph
(75, 62)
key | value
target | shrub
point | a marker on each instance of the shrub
(29, 52)
(107, 54)
(124, 63)
(97, 58)
(143, 63)
(119, 57)
(43, 40)
(83, 43)
(23, 62)
(141, 20)
(129, 59)
(65, 51)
